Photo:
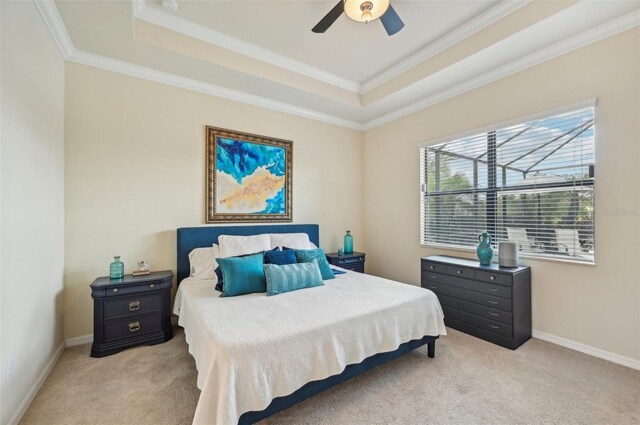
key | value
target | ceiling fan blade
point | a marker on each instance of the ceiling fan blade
(391, 21)
(329, 18)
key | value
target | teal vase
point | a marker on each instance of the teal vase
(348, 243)
(116, 269)
(484, 250)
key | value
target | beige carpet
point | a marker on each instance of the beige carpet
(469, 382)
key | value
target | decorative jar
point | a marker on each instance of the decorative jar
(484, 250)
(116, 269)
(348, 243)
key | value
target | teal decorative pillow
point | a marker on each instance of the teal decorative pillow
(307, 255)
(291, 277)
(242, 275)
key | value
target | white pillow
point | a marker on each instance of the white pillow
(291, 240)
(231, 246)
(202, 262)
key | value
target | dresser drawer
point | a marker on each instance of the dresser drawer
(133, 326)
(349, 260)
(437, 278)
(132, 305)
(486, 288)
(475, 297)
(116, 291)
(477, 309)
(430, 266)
(471, 285)
(480, 322)
(499, 278)
(357, 267)
(460, 272)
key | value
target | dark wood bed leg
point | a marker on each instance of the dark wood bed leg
(431, 349)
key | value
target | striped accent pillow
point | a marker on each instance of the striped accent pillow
(290, 277)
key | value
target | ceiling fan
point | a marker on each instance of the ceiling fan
(363, 11)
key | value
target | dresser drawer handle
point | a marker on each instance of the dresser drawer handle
(431, 267)
(493, 314)
(494, 327)
(459, 271)
(493, 289)
(493, 302)
(134, 326)
(433, 287)
(152, 285)
(115, 289)
(492, 278)
(134, 305)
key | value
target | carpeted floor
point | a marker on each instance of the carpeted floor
(469, 382)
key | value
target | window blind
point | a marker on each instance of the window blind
(531, 183)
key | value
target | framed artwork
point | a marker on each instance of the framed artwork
(248, 177)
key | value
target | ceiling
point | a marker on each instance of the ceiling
(354, 75)
(349, 49)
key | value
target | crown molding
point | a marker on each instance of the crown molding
(138, 71)
(52, 19)
(470, 28)
(154, 16)
(608, 29)
(58, 31)
(56, 26)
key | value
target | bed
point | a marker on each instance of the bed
(257, 355)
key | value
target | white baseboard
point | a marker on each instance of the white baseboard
(79, 340)
(33, 391)
(587, 349)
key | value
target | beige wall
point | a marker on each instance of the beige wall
(32, 223)
(135, 172)
(598, 306)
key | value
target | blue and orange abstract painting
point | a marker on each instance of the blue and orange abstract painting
(250, 178)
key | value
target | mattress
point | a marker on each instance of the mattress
(251, 349)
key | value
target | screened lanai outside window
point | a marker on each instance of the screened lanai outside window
(532, 183)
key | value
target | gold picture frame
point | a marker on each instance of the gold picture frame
(248, 177)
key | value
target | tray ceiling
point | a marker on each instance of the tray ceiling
(354, 75)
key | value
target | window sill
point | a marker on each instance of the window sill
(528, 257)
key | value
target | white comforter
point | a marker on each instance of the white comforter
(253, 348)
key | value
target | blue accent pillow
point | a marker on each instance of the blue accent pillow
(291, 277)
(218, 270)
(242, 275)
(280, 257)
(307, 255)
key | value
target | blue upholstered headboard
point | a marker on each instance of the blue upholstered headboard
(190, 238)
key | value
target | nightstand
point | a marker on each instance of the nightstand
(353, 261)
(130, 311)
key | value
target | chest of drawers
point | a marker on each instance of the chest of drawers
(489, 302)
(131, 311)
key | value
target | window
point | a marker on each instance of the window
(531, 183)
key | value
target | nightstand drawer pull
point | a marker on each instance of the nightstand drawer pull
(431, 267)
(115, 289)
(493, 314)
(152, 285)
(134, 326)
(433, 287)
(492, 278)
(493, 289)
(492, 302)
(459, 271)
(134, 305)
(493, 326)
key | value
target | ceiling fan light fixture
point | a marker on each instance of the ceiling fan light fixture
(365, 10)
